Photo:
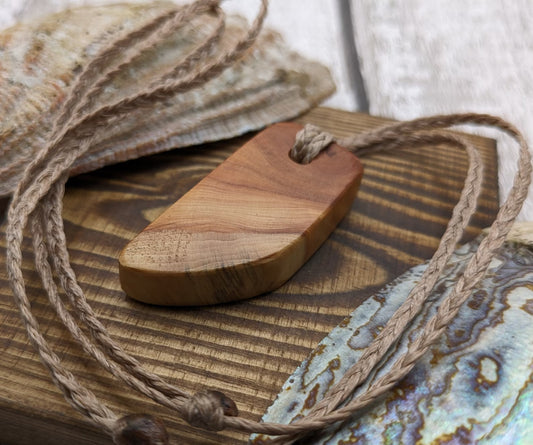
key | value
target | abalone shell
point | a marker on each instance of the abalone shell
(474, 386)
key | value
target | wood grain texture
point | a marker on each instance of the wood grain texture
(245, 228)
(245, 349)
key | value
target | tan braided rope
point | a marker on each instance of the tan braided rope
(103, 66)
(38, 202)
(71, 137)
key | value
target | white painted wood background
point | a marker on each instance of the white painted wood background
(410, 57)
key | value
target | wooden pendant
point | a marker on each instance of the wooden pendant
(246, 228)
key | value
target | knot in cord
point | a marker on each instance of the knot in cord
(207, 409)
(310, 141)
(140, 429)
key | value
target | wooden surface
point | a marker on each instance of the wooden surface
(245, 349)
(245, 228)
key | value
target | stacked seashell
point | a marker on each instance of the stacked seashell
(40, 59)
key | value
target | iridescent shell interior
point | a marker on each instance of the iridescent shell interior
(475, 385)
(40, 59)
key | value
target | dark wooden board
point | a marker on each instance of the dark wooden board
(245, 349)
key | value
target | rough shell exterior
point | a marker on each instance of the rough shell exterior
(39, 60)
(474, 386)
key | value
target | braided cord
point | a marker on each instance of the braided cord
(37, 202)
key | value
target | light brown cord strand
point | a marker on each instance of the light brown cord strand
(461, 291)
(127, 361)
(199, 54)
(58, 252)
(61, 161)
(78, 396)
(38, 201)
(134, 377)
(269, 428)
(462, 213)
(52, 223)
(23, 203)
(174, 22)
(474, 271)
(101, 118)
(89, 83)
(102, 63)
(61, 255)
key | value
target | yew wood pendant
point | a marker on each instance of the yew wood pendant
(246, 228)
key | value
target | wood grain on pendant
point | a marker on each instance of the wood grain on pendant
(246, 228)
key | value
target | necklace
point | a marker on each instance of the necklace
(37, 201)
